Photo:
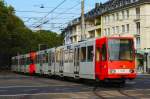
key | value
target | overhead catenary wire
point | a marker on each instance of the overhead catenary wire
(44, 12)
(68, 10)
(51, 12)
(61, 13)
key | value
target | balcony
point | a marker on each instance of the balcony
(93, 28)
(73, 34)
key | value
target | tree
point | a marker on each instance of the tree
(15, 37)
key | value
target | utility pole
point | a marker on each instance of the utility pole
(82, 21)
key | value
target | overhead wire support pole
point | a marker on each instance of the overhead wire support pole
(83, 36)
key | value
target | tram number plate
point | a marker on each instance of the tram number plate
(122, 71)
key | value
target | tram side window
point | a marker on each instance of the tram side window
(90, 53)
(61, 58)
(66, 56)
(46, 57)
(50, 59)
(71, 56)
(12, 62)
(28, 60)
(22, 61)
(104, 52)
(83, 54)
(37, 59)
(58, 57)
(53, 57)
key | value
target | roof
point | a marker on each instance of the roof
(108, 7)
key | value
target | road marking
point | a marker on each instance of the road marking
(3, 90)
(136, 89)
(20, 86)
(31, 90)
(37, 94)
(39, 86)
(130, 82)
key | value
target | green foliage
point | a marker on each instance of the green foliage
(15, 37)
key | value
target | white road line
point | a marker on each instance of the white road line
(21, 86)
(37, 86)
(131, 82)
(30, 90)
(136, 89)
(37, 94)
(3, 90)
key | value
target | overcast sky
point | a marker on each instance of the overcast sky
(32, 14)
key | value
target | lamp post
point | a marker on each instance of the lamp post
(82, 21)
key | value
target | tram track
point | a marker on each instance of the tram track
(96, 93)
(125, 94)
(120, 91)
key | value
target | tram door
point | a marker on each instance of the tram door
(41, 62)
(53, 62)
(61, 64)
(76, 61)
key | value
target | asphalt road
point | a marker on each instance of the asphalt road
(15, 86)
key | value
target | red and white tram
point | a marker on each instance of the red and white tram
(108, 58)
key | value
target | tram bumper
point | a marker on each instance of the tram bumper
(122, 76)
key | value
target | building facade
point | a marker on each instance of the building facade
(117, 18)
(73, 31)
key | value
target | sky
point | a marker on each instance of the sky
(33, 15)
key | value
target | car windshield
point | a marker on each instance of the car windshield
(120, 49)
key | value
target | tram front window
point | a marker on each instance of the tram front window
(120, 49)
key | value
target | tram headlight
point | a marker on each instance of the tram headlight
(131, 70)
(112, 71)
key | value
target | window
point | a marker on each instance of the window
(61, 58)
(28, 60)
(90, 53)
(117, 16)
(117, 29)
(70, 55)
(57, 56)
(53, 57)
(138, 27)
(45, 58)
(105, 20)
(108, 31)
(123, 28)
(105, 32)
(83, 54)
(37, 59)
(138, 13)
(123, 15)
(127, 14)
(66, 56)
(104, 52)
(128, 28)
(108, 18)
(138, 42)
(120, 49)
(113, 17)
(113, 29)
(50, 57)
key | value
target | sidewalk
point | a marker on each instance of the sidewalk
(143, 75)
